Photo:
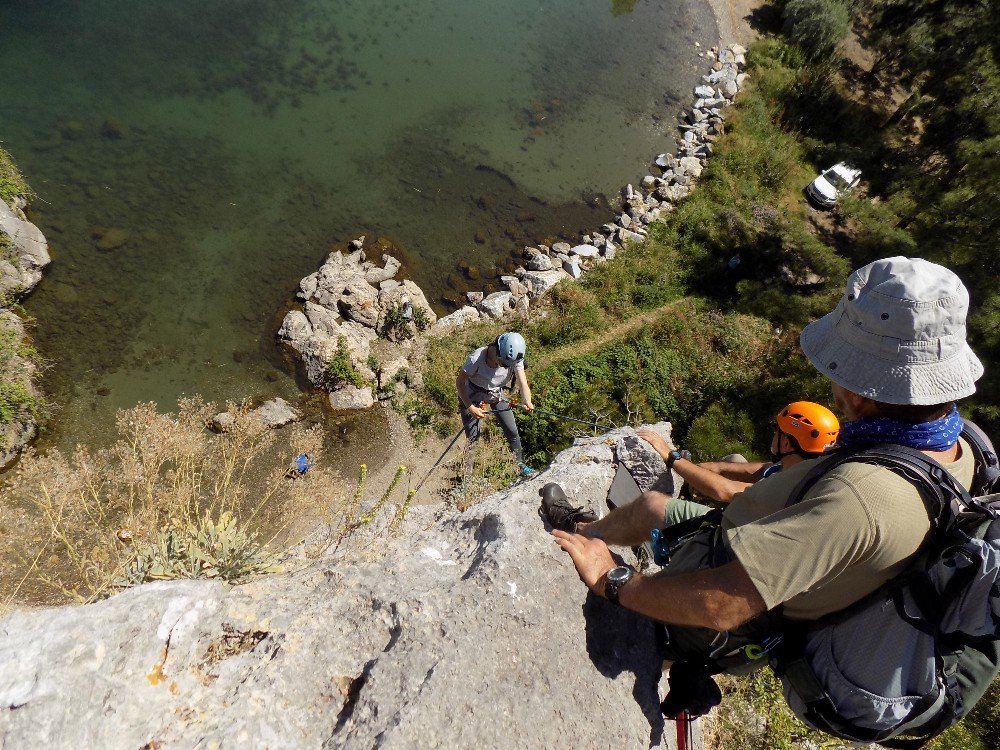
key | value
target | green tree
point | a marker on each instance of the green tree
(817, 26)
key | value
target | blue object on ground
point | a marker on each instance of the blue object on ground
(527, 471)
(303, 463)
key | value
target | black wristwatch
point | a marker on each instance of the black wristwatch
(675, 454)
(615, 579)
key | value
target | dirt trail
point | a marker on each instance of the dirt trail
(618, 331)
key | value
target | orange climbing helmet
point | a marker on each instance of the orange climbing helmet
(812, 426)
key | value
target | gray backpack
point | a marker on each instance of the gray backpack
(915, 656)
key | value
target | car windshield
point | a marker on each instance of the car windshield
(836, 179)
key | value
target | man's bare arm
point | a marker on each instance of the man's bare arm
(708, 483)
(720, 599)
(741, 472)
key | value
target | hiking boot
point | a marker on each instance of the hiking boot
(526, 471)
(560, 512)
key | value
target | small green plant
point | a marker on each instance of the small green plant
(396, 323)
(420, 319)
(220, 548)
(12, 182)
(341, 370)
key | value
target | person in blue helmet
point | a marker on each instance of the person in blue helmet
(481, 380)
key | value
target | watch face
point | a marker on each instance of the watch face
(619, 574)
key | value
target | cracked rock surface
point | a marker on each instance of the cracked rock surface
(460, 630)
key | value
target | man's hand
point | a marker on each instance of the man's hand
(655, 440)
(527, 405)
(477, 412)
(591, 557)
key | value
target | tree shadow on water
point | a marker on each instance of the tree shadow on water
(622, 641)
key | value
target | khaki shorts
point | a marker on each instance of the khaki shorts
(678, 510)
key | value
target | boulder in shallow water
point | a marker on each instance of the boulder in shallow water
(277, 413)
(351, 398)
(536, 260)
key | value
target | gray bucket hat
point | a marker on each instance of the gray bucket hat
(897, 335)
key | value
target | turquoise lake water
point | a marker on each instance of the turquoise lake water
(230, 143)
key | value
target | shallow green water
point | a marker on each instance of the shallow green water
(233, 141)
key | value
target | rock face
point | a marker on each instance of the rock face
(25, 252)
(347, 304)
(463, 630)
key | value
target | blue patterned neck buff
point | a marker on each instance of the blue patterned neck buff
(939, 435)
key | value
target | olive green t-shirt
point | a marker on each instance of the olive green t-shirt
(856, 528)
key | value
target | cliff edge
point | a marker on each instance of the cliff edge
(458, 630)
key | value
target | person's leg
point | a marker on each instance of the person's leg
(505, 415)
(630, 525)
(469, 422)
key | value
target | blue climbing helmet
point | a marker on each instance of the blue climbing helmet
(510, 348)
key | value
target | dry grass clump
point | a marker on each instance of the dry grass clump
(487, 466)
(170, 499)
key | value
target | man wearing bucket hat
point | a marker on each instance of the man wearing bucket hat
(895, 352)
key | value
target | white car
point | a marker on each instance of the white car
(833, 183)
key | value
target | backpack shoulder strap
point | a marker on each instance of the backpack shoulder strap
(987, 475)
(937, 486)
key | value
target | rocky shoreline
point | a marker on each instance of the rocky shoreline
(24, 254)
(355, 330)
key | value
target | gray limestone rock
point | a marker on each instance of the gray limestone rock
(666, 161)
(539, 282)
(461, 630)
(691, 166)
(20, 430)
(407, 291)
(360, 302)
(388, 371)
(627, 235)
(497, 305)
(514, 284)
(351, 398)
(460, 317)
(560, 247)
(377, 275)
(474, 297)
(704, 92)
(572, 267)
(30, 251)
(308, 286)
(276, 413)
(536, 260)
(584, 251)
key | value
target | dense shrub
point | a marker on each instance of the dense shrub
(817, 26)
